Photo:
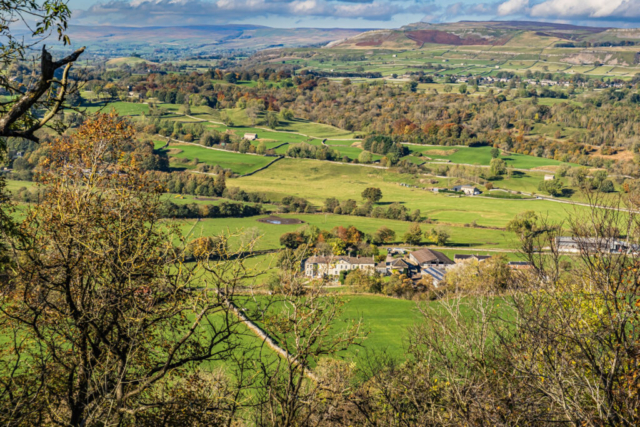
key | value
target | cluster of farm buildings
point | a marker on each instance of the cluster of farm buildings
(417, 265)
(433, 265)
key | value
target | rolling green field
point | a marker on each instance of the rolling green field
(461, 236)
(13, 185)
(237, 162)
(298, 130)
(316, 180)
(482, 156)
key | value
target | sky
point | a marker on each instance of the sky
(349, 13)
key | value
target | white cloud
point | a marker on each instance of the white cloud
(185, 12)
(513, 7)
(573, 9)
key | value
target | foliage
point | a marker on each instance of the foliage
(413, 236)
(101, 311)
(554, 187)
(438, 235)
(373, 195)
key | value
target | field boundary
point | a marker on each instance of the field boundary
(266, 338)
(263, 167)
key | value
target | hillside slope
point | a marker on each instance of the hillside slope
(493, 33)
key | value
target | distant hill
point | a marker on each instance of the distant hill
(201, 39)
(492, 33)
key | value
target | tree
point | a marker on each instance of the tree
(364, 157)
(220, 184)
(438, 235)
(289, 392)
(606, 186)
(554, 187)
(291, 240)
(118, 317)
(495, 152)
(413, 236)
(18, 115)
(272, 120)
(497, 167)
(262, 148)
(372, 194)
(462, 88)
(384, 235)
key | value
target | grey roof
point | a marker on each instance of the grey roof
(427, 255)
(399, 263)
(434, 272)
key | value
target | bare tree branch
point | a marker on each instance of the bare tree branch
(48, 68)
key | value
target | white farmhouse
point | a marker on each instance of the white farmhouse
(320, 266)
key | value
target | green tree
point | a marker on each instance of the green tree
(607, 186)
(365, 157)
(261, 148)
(497, 167)
(438, 236)
(554, 187)
(384, 235)
(495, 152)
(413, 236)
(291, 240)
(272, 120)
(372, 194)
(462, 88)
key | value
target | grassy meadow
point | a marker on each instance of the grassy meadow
(316, 180)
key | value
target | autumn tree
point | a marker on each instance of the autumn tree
(102, 313)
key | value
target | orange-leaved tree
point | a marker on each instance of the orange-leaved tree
(101, 312)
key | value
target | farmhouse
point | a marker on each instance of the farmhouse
(250, 136)
(549, 177)
(425, 258)
(398, 265)
(469, 190)
(322, 266)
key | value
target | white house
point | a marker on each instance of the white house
(250, 136)
(549, 177)
(469, 190)
(321, 266)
